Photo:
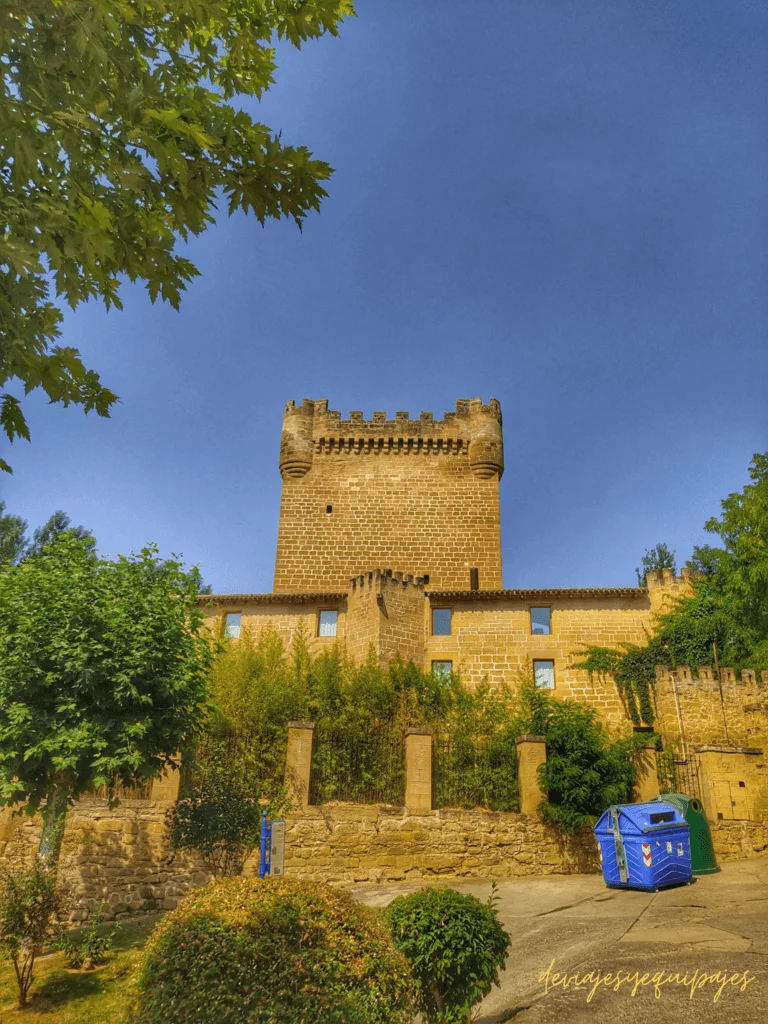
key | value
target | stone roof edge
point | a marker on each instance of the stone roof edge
(454, 595)
(490, 595)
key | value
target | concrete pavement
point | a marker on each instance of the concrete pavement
(718, 926)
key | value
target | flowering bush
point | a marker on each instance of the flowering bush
(279, 950)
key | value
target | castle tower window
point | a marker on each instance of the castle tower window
(232, 625)
(329, 509)
(326, 623)
(441, 622)
(544, 674)
(442, 669)
(541, 621)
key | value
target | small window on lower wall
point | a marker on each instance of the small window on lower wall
(544, 674)
(326, 623)
(442, 669)
(232, 625)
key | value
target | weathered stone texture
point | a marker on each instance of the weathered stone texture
(421, 495)
(119, 856)
(352, 843)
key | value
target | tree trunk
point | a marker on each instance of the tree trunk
(54, 815)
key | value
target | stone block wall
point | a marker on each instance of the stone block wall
(120, 856)
(422, 495)
(705, 707)
(491, 638)
(353, 843)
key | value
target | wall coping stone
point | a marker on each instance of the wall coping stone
(301, 725)
(530, 739)
(727, 750)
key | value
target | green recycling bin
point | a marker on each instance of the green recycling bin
(703, 860)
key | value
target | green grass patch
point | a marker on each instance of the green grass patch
(79, 997)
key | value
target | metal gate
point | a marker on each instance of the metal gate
(679, 775)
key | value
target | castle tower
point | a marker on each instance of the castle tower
(419, 495)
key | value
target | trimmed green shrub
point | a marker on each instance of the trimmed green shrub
(31, 903)
(279, 950)
(455, 946)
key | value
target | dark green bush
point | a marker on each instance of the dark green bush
(587, 769)
(279, 950)
(455, 946)
(219, 813)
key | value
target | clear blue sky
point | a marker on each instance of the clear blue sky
(562, 205)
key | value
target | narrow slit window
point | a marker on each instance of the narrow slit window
(544, 674)
(327, 623)
(232, 625)
(541, 621)
(441, 622)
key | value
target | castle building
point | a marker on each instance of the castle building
(389, 535)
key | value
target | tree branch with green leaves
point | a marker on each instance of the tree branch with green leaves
(117, 136)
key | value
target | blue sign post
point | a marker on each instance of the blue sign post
(269, 864)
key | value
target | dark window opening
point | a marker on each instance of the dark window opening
(474, 579)
(541, 621)
(743, 785)
(329, 509)
(441, 622)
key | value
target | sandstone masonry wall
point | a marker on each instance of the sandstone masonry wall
(421, 495)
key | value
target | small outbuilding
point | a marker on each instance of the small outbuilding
(644, 846)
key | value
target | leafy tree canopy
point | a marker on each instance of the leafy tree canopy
(13, 537)
(14, 545)
(724, 621)
(659, 557)
(102, 673)
(116, 136)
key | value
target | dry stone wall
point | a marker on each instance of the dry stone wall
(354, 843)
(118, 856)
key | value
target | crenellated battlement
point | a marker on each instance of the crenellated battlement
(665, 589)
(472, 430)
(419, 493)
(708, 706)
(705, 674)
(378, 577)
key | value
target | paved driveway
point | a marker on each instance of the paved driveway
(716, 926)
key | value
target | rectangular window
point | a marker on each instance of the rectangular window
(441, 622)
(326, 625)
(544, 674)
(442, 669)
(541, 621)
(232, 625)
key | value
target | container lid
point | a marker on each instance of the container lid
(637, 819)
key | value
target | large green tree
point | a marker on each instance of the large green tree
(116, 136)
(14, 545)
(724, 621)
(103, 670)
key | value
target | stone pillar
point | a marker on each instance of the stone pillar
(166, 788)
(298, 762)
(418, 770)
(647, 781)
(531, 752)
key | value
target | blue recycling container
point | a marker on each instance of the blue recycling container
(644, 846)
